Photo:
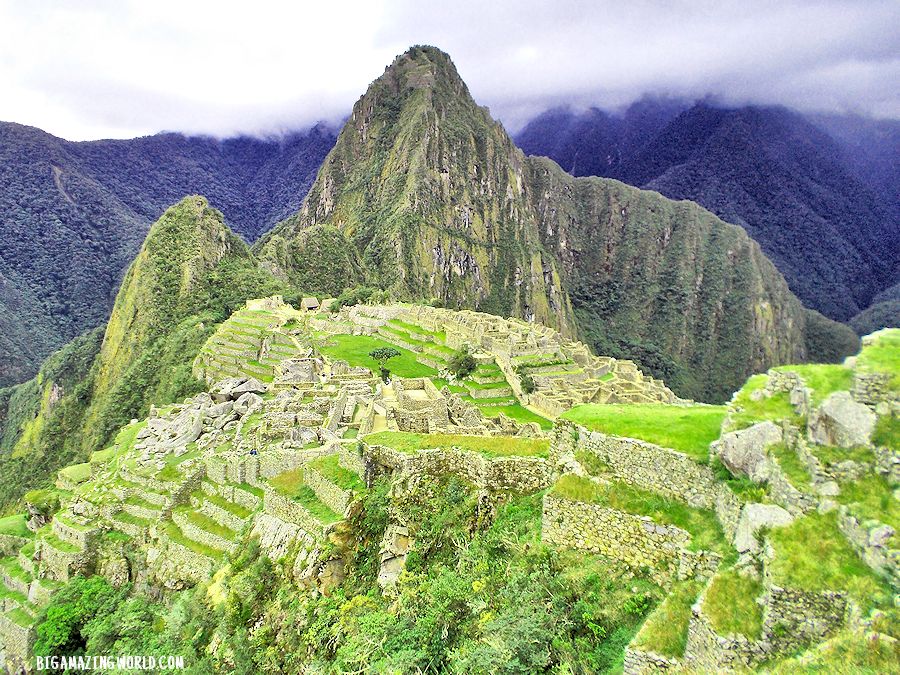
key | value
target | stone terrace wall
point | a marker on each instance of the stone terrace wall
(652, 467)
(639, 662)
(17, 644)
(637, 541)
(516, 474)
(793, 619)
(289, 511)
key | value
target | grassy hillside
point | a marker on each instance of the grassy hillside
(191, 273)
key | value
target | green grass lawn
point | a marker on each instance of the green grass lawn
(730, 603)
(871, 498)
(665, 630)
(793, 469)
(811, 554)
(15, 526)
(330, 467)
(354, 349)
(883, 356)
(232, 508)
(746, 412)
(492, 446)
(822, 378)
(689, 429)
(701, 524)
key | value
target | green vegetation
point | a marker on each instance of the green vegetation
(15, 526)
(811, 554)
(319, 510)
(204, 522)
(883, 356)
(461, 363)
(688, 429)
(356, 349)
(232, 508)
(329, 466)
(730, 603)
(887, 432)
(382, 355)
(746, 411)
(666, 629)
(77, 473)
(517, 412)
(173, 532)
(823, 379)
(793, 469)
(872, 498)
(492, 446)
(701, 524)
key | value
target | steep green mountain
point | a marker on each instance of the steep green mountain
(819, 193)
(73, 215)
(190, 274)
(435, 200)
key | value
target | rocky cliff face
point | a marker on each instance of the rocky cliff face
(433, 198)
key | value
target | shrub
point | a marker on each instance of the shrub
(461, 363)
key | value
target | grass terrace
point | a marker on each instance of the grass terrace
(354, 349)
(883, 356)
(291, 485)
(665, 630)
(701, 524)
(232, 508)
(688, 429)
(174, 533)
(517, 412)
(730, 603)
(811, 554)
(204, 522)
(491, 446)
(77, 473)
(887, 432)
(746, 412)
(822, 378)
(329, 466)
(872, 498)
(793, 469)
(15, 526)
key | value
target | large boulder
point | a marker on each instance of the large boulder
(755, 517)
(841, 421)
(744, 452)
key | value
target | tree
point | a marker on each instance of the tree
(462, 363)
(383, 355)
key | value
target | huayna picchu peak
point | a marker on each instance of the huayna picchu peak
(457, 411)
(435, 201)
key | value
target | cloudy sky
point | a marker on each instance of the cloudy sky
(121, 68)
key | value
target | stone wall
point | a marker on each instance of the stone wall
(637, 541)
(328, 493)
(872, 388)
(707, 651)
(639, 662)
(793, 619)
(62, 565)
(652, 467)
(177, 562)
(871, 544)
(288, 510)
(516, 474)
(18, 642)
(9, 544)
(200, 535)
(350, 458)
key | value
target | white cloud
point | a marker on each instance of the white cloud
(111, 68)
